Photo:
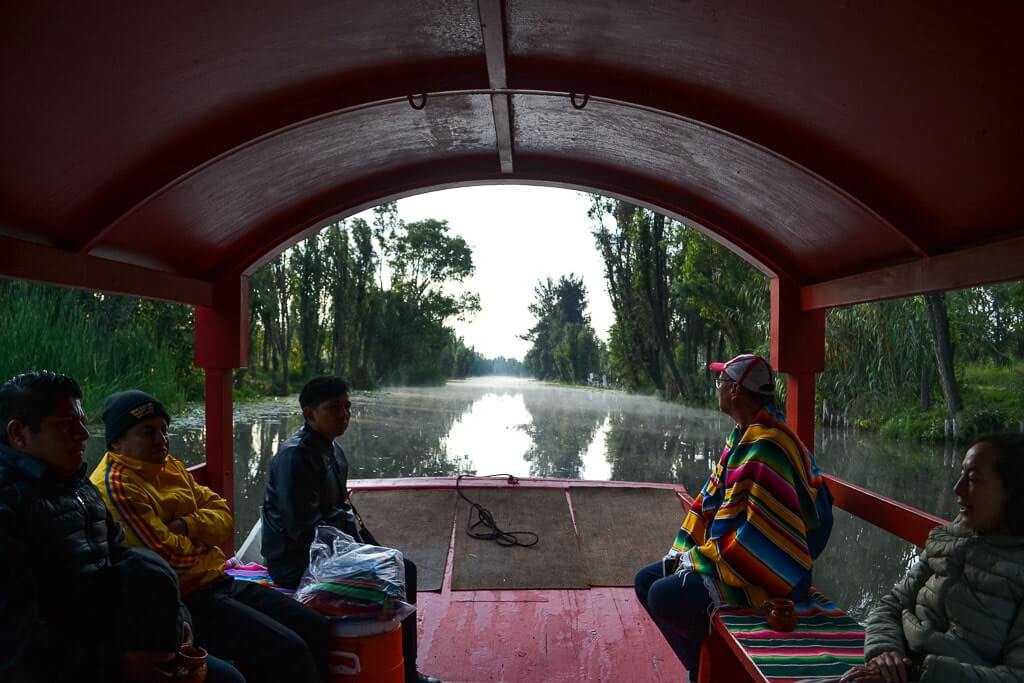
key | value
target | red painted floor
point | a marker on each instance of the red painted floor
(599, 635)
(596, 635)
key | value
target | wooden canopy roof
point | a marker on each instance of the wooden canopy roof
(856, 150)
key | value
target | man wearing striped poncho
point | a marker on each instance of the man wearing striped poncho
(754, 528)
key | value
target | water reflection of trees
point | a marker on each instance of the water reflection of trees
(662, 447)
(561, 431)
(916, 474)
(399, 433)
(189, 446)
(862, 562)
(95, 447)
(255, 442)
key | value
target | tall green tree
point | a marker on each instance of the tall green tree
(424, 262)
(284, 329)
(635, 342)
(943, 345)
(338, 275)
(372, 302)
(564, 346)
(365, 304)
(308, 286)
(680, 300)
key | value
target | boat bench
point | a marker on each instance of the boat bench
(741, 647)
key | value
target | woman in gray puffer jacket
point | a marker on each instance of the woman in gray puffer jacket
(957, 617)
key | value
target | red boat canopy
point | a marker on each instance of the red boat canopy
(851, 151)
(820, 140)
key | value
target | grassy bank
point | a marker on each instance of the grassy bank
(992, 397)
(108, 344)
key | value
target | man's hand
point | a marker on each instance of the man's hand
(147, 667)
(178, 526)
(186, 634)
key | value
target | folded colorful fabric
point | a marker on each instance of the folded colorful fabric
(363, 596)
(235, 564)
(826, 642)
(254, 572)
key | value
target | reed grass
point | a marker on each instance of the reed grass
(49, 328)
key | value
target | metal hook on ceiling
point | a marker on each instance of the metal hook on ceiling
(423, 101)
(578, 105)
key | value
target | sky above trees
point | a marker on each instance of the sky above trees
(519, 235)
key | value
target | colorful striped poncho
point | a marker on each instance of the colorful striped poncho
(746, 532)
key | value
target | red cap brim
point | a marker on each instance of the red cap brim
(717, 366)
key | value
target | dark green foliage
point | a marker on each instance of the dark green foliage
(108, 343)
(881, 364)
(369, 302)
(875, 351)
(309, 275)
(680, 301)
(565, 347)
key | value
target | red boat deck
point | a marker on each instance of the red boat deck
(600, 634)
(596, 634)
(556, 634)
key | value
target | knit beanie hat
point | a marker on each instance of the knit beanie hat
(125, 409)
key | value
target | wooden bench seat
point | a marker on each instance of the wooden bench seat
(742, 647)
(730, 653)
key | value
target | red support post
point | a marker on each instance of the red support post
(220, 458)
(797, 349)
(800, 396)
(221, 345)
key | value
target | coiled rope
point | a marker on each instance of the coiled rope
(485, 520)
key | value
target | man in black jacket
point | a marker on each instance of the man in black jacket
(75, 603)
(308, 486)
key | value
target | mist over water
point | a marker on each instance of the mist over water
(498, 425)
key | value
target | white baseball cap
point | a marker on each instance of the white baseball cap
(749, 371)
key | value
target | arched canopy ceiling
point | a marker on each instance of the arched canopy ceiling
(858, 150)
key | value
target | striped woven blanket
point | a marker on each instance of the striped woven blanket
(825, 644)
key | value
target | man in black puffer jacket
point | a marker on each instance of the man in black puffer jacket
(75, 603)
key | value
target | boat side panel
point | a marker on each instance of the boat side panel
(897, 518)
(722, 658)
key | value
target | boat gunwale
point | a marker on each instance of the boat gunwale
(503, 481)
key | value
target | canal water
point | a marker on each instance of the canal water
(501, 425)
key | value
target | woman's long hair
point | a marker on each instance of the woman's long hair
(1009, 466)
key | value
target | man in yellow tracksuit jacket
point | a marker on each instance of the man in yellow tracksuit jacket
(268, 636)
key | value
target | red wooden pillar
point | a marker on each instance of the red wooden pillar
(797, 349)
(220, 458)
(221, 345)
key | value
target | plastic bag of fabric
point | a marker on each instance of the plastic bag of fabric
(352, 580)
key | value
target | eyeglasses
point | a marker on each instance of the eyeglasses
(719, 381)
